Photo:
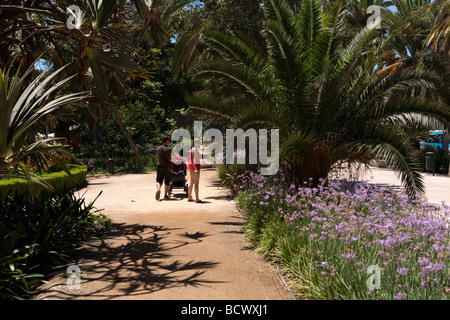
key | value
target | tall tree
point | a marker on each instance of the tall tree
(90, 33)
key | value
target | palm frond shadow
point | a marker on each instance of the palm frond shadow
(140, 265)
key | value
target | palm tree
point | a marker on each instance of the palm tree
(441, 29)
(20, 109)
(413, 25)
(323, 96)
(409, 25)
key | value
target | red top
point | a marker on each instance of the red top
(194, 155)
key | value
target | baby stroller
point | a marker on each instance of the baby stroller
(179, 173)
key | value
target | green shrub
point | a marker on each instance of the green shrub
(38, 234)
(60, 181)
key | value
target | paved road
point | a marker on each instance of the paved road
(437, 186)
(167, 250)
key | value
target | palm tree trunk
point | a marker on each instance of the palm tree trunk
(94, 130)
(128, 137)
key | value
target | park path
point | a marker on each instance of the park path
(169, 249)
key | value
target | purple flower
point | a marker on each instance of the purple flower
(437, 267)
(402, 271)
(400, 296)
(350, 256)
(423, 261)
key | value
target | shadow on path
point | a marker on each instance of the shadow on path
(133, 260)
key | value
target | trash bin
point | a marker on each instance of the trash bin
(110, 165)
(429, 161)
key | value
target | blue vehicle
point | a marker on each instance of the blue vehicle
(436, 140)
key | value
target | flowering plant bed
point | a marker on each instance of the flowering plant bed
(357, 241)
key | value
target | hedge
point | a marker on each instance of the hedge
(60, 181)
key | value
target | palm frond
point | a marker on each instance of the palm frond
(433, 112)
(406, 163)
(310, 24)
(257, 116)
(236, 49)
(239, 75)
(287, 67)
(187, 49)
(154, 27)
(217, 110)
(99, 12)
(381, 88)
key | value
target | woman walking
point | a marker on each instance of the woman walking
(194, 172)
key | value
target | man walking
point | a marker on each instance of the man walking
(163, 173)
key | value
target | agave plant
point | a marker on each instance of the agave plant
(20, 108)
(322, 94)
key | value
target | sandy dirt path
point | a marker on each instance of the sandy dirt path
(167, 250)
